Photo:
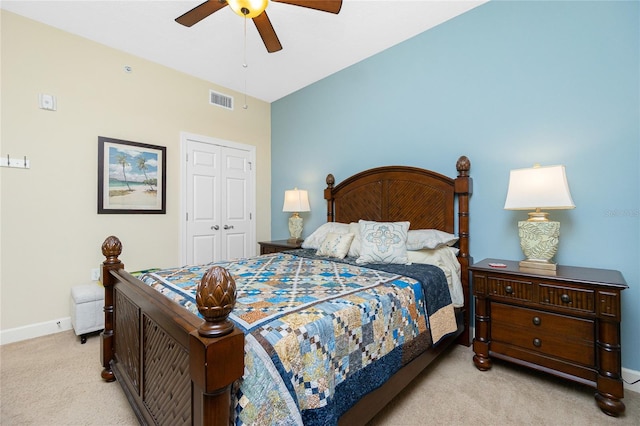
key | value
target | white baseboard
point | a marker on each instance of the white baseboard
(631, 376)
(34, 330)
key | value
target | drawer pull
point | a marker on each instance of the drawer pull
(537, 342)
(537, 321)
(508, 289)
(565, 298)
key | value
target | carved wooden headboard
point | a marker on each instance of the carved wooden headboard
(400, 193)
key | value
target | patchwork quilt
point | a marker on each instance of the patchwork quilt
(320, 333)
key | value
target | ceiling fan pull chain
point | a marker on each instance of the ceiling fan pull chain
(244, 63)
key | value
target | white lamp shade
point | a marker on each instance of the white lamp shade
(538, 187)
(296, 200)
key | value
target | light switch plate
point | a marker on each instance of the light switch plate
(95, 274)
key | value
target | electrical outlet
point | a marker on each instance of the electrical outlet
(95, 274)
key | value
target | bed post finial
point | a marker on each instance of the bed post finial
(111, 249)
(463, 166)
(216, 297)
(330, 180)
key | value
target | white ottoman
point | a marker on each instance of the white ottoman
(87, 314)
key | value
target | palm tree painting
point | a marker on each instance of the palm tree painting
(130, 175)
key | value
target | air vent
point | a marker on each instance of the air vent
(220, 99)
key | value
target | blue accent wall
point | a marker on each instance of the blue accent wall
(508, 84)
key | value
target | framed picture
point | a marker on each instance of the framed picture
(131, 177)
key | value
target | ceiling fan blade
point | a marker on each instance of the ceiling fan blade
(332, 6)
(200, 12)
(268, 34)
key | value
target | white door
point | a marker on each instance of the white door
(219, 200)
(235, 194)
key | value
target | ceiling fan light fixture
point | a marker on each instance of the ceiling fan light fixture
(248, 8)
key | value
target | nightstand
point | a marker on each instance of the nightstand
(277, 246)
(566, 324)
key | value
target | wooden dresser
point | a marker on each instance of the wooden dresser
(566, 324)
(277, 246)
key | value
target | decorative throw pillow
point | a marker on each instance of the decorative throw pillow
(419, 239)
(316, 238)
(335, 245)
(383, 242)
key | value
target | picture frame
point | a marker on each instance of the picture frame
(131, 177)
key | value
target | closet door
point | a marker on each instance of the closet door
(219, 203)
(236, 215)
(203, 202)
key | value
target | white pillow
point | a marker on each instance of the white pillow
(383, 242)
(419, 239)
(354, 250)
(335, 245)
(444, 258)
(314, 240)
(433, 256)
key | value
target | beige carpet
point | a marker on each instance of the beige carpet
(54, 380)
(453, 392)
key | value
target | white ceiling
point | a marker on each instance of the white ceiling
(315, 44)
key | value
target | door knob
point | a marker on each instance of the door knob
(228, 227)
(215, 227)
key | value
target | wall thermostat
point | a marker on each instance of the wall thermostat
(47, 102)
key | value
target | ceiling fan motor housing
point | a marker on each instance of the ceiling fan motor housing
(248, 8)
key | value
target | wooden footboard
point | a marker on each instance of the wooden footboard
(162, 354)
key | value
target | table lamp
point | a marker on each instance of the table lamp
(295, 201)
(535, 189)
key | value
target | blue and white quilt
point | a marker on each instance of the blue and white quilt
(320, 333)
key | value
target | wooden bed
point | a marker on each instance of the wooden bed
(176, 368)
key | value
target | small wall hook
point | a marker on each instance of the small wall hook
(14, 162)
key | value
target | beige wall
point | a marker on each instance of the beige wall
(50, 230)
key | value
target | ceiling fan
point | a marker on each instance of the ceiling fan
(255, 9)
